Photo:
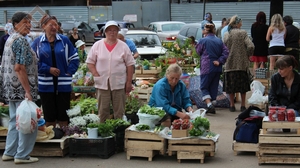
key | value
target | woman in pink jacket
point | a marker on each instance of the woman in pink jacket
(110, 61)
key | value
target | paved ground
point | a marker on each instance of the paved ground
(223, 123)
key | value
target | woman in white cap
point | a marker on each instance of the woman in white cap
(80, 45)
(111, 63)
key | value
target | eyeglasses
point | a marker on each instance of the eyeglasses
(112, 30)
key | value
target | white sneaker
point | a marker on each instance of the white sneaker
(30, 160)
(7, 158)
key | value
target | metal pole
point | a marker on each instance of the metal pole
(204, 2)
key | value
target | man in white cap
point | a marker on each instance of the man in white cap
(130, 43)
(8, 31)
(111, 64)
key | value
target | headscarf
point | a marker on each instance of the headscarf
(234, 23)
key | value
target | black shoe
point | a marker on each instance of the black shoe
(232, 108)
(211, 109)
(243, 108)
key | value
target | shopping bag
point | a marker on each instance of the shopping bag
(27, 115)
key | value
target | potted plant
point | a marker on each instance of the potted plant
(105, 129)
(133, 104)
(92, 129)
(4, 116)
(146, 64)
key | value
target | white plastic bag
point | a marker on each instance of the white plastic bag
(200, 112)
(26, 119)
(257, 85)
(256, 97)
(148, 119)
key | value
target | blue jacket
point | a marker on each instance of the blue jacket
(211, 49)
(162, 96)
(67, 61)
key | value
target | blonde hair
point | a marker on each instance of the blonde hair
(234, 22)
(174, 68)
(277, 22)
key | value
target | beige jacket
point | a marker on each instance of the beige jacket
(240, 49)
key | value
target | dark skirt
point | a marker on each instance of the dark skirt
(236, 82)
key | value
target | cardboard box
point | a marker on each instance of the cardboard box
(180, 133)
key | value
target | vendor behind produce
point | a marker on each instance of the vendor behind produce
(171, 94)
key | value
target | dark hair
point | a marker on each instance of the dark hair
(288, 20)
(210, 28)
(74, 28)
(192, 38)
(46, 18)
(261, 19)
(19, 16)
(286, 61)
(59, 23)
(224, 20)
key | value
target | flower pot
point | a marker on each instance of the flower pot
(146, 67)
(132, 118)
(92, 132)
(5, 121)
(188, 52)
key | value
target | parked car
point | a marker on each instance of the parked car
(190, 29)
(147, 43)
(85, 32)
(296, 24)
(167, 31)
(98, 35)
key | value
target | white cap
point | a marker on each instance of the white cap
(123, 31)
(79, 43)
(9, 28)
(111, 23)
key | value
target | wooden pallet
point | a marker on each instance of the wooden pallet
(144, 144)
(244, 147)
(3, 134)
(280, 124)
(144, 94)
(192, 148)
(152, 70)
(279, 148)
(266, 83)
(52, 147)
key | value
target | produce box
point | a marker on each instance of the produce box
(144, 144)
(103, 147)
(52, 147)
(3, 134)
(244, 147)
(152, 70)
(84, 89)
(180, 133)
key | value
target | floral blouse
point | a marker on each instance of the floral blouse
(17, 51)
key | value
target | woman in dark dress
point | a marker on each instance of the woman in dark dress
(74, 37)
(259, 31)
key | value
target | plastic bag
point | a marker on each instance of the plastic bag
(257, 85)
(148, 119)
(256, 97)
(27, 115)
(200, 112)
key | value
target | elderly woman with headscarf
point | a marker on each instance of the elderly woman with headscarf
(240, 49)
(213, 55)
(18, 81)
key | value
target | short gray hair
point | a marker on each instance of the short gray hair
(174, 68)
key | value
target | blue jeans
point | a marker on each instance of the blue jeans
(18, 144)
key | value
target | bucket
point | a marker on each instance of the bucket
(92, 132)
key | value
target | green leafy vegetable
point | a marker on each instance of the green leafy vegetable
(4, 111)
(105, 130)
(200, 126)
(88, 105)
(143, 127)
(115, 123)
(152, 111)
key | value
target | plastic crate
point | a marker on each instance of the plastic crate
(103, 147)
(261, 73)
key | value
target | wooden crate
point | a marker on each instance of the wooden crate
(144, 144)
(244, 147)
(144, 94)
(280, 124)
(52, 147)
(152, 70)
(279, 147)
(191, 148)
(3, 134)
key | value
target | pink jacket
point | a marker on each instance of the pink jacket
(110, 65)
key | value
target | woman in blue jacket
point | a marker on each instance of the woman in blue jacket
(214, 54)
(58, 61)
(171, 94)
